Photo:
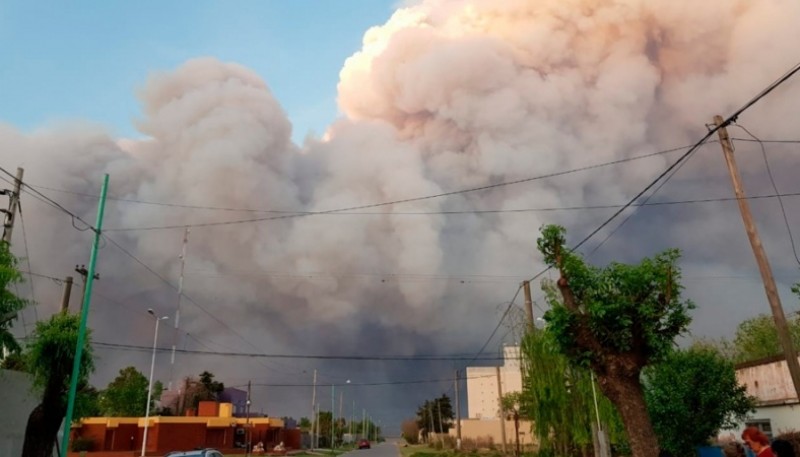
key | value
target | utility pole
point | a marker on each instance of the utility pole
(247, 426)
(341, 399)
(66, 295)
(13, 204)
(761, 257)
(441, 424)
(352, 419)
(318, 432)
(85, 274)
(458, 416)
(76, 365)
(313, 403)
(430, 421)
(333, 419)
(363, 421)
(175, 335)
(526, 287)
(500, 414)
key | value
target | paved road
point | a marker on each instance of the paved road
(385, 449)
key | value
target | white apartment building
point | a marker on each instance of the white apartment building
(482, 399)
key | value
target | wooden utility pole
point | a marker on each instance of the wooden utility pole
(761, 257)
(247, 426)
(66, 295)
(81, 270)
(13, 204)
(458, 416)
(526, 287)
(501, 414)
(441, 424)
(313, 414)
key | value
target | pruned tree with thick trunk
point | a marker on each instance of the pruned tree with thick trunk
(616, 320)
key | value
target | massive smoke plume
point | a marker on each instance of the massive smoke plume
(447, 95)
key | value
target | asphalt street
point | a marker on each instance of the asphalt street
(385, 449)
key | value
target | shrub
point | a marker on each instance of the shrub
(82, 444)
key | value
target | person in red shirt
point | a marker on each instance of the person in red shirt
(756, 440)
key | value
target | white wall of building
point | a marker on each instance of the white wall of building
(778, 409)
(17, 400)
(482, 401)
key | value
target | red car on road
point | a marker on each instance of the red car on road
(363, 444)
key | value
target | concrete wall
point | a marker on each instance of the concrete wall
(482, 429)
(17, 402)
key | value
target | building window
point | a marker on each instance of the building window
(764, 425)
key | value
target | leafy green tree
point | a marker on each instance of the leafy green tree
(126, 395)
(757, 338)
(616, 320)
(204, 388)
(304, 424)
(49, 360)
(557, 398)
(10, 304)
(87, 401)
(213, 388)
(438, 412)
(691, 395)
(324, 431)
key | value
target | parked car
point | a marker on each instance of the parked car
(363, 444)
(196, 453)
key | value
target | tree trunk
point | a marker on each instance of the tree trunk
(41, 431)
(627, 395)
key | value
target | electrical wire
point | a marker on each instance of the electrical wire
(362, 384)
(394, 202)
(259, 355)
(644, 203)
(541, 209)
(767, 141)
(732, 118)
(30, 190)
(775, 188)
(186, 296)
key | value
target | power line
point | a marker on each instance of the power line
(372, 384)
(541, 209)
(658, 178)
(775, 188)
(367, 384)
(383, 358)
(395, 202)
(767, 141)
(644, 203)
(40, 196)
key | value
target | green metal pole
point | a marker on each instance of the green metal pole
(76, 365)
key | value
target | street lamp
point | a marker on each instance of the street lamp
(340, 412)
(150, 385)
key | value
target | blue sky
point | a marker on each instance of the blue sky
(85, 59)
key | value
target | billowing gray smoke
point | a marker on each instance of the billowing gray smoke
(447, 95)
